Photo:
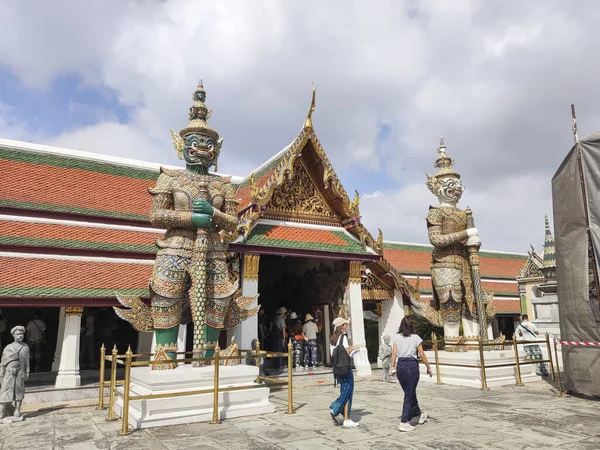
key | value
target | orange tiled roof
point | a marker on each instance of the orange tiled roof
(304, 239)
(416, 259)
(76, 237)
(63, 184)
(503, 289)
(37, 277)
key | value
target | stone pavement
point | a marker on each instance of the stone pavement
(507, 417)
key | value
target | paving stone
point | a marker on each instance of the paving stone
(459, 419)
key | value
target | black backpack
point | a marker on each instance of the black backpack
(340, 360)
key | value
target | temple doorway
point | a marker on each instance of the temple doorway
(303, 286)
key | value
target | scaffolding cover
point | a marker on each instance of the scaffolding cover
(576, 204)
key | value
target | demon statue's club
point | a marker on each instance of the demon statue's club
(191, 279)
(454, 265)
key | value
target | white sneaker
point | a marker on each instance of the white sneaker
(422, 418)
(350, 424)
(405, 426)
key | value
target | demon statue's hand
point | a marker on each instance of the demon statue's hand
(201, 220)
(202, 207)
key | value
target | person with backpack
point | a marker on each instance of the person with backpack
(342, 371)
(406, 346)
(527, 331)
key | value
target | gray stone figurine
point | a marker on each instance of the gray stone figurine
(385, 355)
(14, 370)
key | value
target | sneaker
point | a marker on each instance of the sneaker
(350, 424)
(422, 418)
(334, 417)
(405, 426)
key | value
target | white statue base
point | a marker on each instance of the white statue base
(471, 377)
(192, 408)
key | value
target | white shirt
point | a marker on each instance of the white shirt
(407, 346)
(523, 332)
(344, 343)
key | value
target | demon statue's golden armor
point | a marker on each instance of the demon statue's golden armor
(191, 278)
(454, 289)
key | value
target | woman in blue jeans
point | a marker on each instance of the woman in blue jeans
(406, 346)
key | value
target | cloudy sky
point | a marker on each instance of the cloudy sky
(495, 78)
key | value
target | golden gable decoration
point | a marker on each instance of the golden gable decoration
(299, 199)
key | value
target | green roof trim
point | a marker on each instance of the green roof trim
(257, 238)
(66, 243)
(67, 292)
(72, 162)
(72, 210)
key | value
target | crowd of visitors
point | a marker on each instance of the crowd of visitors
(306, 337)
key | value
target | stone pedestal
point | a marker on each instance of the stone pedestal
(471, 376)
(68, 371)
(193, 408)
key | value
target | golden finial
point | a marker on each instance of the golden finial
(354, 203)
(379, 243)
(308, 122)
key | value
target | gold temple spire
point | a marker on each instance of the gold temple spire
(308, 122)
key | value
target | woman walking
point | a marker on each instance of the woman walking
(344, 402)
(406, 346)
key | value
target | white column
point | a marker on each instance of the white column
(357, 324)
(392, 315)
(379, 329)
(68, 371)
(327, 328)
(181, 338)
(246, 331)
(59, 339)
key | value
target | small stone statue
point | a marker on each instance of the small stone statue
(385, 355)
(14, 370)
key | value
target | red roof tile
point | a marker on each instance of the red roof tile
(74, 188)
(44, 234)
(42, 275)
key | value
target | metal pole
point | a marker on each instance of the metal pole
(558, 370)
(257, 360)
(290, 384)
(476, 280)
(518, 369)
(482, 365)
(113, 382)
(215, 418)
(437, 361)
(125, 425)
(550, 355)
(101, 388)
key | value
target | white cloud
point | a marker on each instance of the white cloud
(495, 78)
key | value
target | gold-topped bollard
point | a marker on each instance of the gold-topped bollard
(558, 370)
(437, 360)
(517, 368)
(125, 425)
(101, 388)
(113, 383)
(257, 362)
(290, 383)
(215, 418)
(550, 355)
(482, 365)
